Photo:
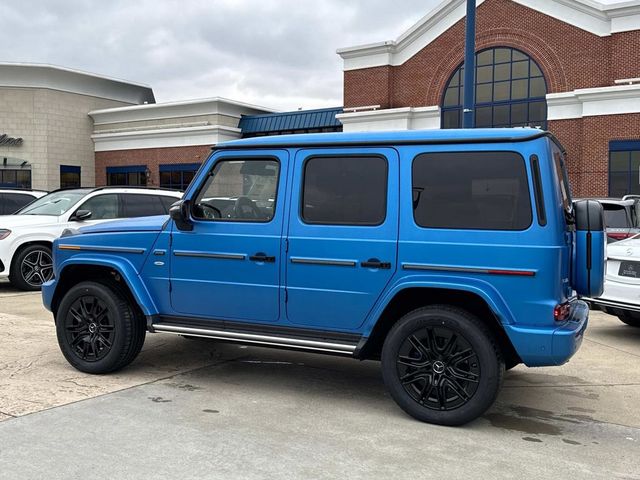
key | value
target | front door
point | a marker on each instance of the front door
(342, 237)
(228, 266)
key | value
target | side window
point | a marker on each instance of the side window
(471, 190)
(4, 206)
(14, 202)
(345, 190)
(139, 205)
(102, 207)
(239, 190)
(167, 202)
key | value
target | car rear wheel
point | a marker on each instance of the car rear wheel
(630, 318)
(442, 365)
(98, 329)
(32, 266)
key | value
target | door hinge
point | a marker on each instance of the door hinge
(286, 245)
(170, 287)
(286, 295)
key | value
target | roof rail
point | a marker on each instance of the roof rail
(24, 189)
(111, 187)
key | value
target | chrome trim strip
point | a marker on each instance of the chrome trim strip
(609, 303)
(257, 339)
(219, 256)
(323, 261)
(97, 248)
(445, 268)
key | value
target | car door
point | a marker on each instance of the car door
(228, 265)
(342, 236)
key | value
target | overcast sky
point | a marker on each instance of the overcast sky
(274, 53)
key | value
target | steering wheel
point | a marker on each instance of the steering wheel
(245, 208)
(209, 211)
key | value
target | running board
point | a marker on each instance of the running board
(255, 339)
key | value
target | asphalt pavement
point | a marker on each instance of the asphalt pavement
(203, 409)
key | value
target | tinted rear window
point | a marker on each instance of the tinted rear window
(615, 216)
(471, 190)
(345, 190)
(142, 205)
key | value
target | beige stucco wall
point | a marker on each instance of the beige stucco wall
(173, 122)
(56, 130)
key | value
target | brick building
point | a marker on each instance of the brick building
(571, 66)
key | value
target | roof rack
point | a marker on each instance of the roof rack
(24, 189)
(110, 187)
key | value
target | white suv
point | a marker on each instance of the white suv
(26, 237)
(13, 199)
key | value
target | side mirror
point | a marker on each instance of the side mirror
(179, 213)
(81, 215)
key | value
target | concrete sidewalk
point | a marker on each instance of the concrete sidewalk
(200, 409)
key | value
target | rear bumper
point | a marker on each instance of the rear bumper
(553, 345)
(618, 295)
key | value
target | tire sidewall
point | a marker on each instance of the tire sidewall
(491, 364)
(16, 271)
(121, 317)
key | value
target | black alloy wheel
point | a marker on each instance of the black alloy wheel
(442, 365)
(438, 368)
(99, 328)
(89, 328)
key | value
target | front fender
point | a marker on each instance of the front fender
(483, 289)
(121, 265)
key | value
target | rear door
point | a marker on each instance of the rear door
(342, 237)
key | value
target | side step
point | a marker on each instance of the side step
(257, 339)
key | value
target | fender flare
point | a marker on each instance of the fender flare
(483, 289)
(127, 272)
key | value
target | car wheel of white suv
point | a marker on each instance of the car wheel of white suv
(32, 266)
(630, 318)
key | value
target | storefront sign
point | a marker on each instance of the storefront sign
(9, 141)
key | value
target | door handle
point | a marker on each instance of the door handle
(375, 263)
(261, 257)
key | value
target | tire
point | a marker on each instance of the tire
(31, 267)
(630, 318)
(418, 366)
(98, 328)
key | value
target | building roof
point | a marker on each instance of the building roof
(177, 109)
(475, 135)
(290, 121)
(602, 19)
(39, 75)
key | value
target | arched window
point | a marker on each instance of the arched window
(510, 91)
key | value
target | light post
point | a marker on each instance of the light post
(468, 108)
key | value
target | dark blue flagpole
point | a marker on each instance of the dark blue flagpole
(468, 113)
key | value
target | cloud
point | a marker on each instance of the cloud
(278, 53)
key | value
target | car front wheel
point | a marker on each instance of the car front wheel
(98, 329)
(32, 267)
(442, 365)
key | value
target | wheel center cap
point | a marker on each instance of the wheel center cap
(37, 269)
(438, 366)
(93, 328)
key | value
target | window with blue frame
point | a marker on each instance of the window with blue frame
(69, 176)
(132, 175)
(624, 168)
(510, 91)
(177, 176)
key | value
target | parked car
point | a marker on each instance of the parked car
(621, 296)
(621, 217)
(26, 237)
(445, 254)
(13, 199)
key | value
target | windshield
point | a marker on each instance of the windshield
(56, 203)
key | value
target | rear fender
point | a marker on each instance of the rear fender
(481, 288)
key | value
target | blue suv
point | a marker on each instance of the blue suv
(449, 256)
